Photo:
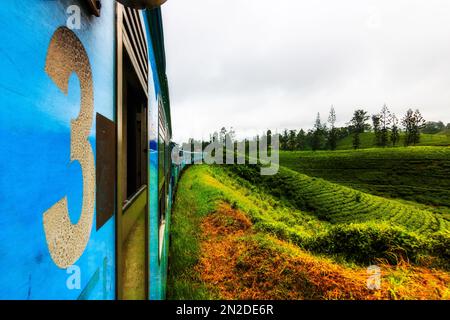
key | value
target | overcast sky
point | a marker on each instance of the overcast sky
(259, 64)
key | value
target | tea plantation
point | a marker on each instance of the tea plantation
(420, 174)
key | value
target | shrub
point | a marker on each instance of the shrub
(365, 243)
(440, 245)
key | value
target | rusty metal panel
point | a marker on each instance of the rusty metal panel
(105, 169)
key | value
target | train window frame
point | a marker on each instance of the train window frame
(134, 62)
(131, 44)
(96, 6)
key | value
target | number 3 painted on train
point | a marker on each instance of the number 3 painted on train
(67, 241)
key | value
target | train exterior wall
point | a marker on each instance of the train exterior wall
(51, 246)
(36, 120)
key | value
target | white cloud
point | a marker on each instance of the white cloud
(258, 64)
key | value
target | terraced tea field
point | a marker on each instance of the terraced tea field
(236, 234)
(379, 221)
(338, 204)
(368, 140)
(419, 174)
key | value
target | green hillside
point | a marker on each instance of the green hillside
(359, 225)
(239, 235)
(334, 203)
(368, 140)
(420, 174)
(311, 230)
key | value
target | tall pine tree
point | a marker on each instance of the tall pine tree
(385, 119)
(317, 137)
(332, 134)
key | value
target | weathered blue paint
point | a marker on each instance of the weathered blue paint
(35, 166)
(35, 140)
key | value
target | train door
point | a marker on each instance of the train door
(132, 156)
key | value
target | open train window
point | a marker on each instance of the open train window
(162, 221)
(163, 172)
(162, 145)
(95, 6)
(135, 132)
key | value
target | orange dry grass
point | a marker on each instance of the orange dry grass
(240, 266)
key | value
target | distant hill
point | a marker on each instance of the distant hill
(368, 140)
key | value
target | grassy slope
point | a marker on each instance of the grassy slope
(193, 202)
(420, 174)
(242, 263)
(368, 140)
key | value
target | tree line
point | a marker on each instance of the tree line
(385, 125)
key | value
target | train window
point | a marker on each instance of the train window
(163, 172)
(162, 145)
(163, 149)
(95, 6)
(162, 220)
(161, 157)
(135, 132)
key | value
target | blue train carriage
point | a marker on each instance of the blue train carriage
(85, 172)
